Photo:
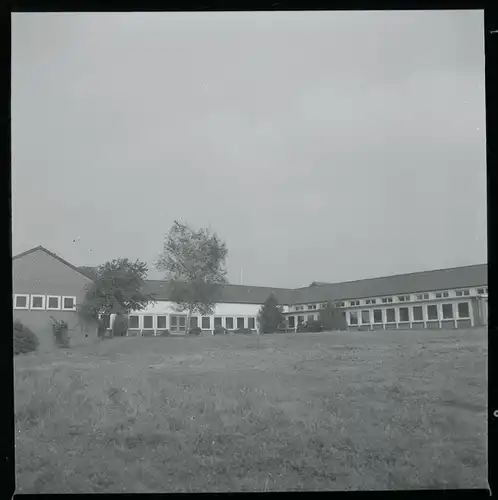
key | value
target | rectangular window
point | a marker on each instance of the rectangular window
(148, 323)
(69, 303)
(206, 322)
(240, 323)
(390, 316)
(404, 298)
(461, 293)
(53, 302)
(161, 322)
(173, 321)
(21, 301)
(446, 294)
(323, 306)
(365, 317)
(439, 295)
(217, 322)
(404, 314)
(311, 306)
(37, 301)
(341, 304)
(377, 315)
(432, 312)
(229, 323)
(418, 313)
(353, 318)
(463, 310)
(387, 300)
(447, 311)
(310, 318)
(182, 323)
(354, 302)
(371, 301)
(194, 322)
(422, 296)
(251, 323)
(292, 322)
(133, 322)
(480, 291)
(300, 319)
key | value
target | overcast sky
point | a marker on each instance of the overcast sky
(320, 146)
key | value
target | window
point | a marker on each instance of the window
(463, 310)
(377, 315)
(194, 322)
(37, 301)
(370, 301)
(251, 323)
(323, 306)
(310, 318)
(365, 317)
(311, 306)
(447, 311)
(354, 302)
(69, 303)
(300, 319)
(206, 322)
(404, 314)
(240, 323)
(133, 322)
(440, 295)
(418, 313)
(353, 318)
(229, 323)
(480, 291)
(422, 296)
(432, 312)
(106, 320)
(217, 322)
(161, 322)
(148, 323)
(53, 302)
(341, 304)
(21, 301)
(387, 300)
(404, 298)
(292, 322)
(390, 316)
(461, 293)
(182, 322)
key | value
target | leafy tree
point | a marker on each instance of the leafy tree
(194, 262)
(118, 288)
(270, 315)
(331, 317)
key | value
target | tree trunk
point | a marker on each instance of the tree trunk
(187, 326)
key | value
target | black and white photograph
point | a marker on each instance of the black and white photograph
(249, 251)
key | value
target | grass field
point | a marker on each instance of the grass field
(334, 411)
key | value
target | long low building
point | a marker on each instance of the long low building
(46, 285)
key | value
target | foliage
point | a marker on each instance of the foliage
(195, 331)
(120, 325)
(194, 262)
(118, 288)
(24, 339)
(219, 330)
(60, 329)
(314, 326)
(270, 315)
(331, 317)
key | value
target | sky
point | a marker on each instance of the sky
(327, 146)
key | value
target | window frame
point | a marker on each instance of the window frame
(387, 300)
(253, 327)
(381, 316)
(458, 310)
(37, 296)
(407, 314)
(202, 323)
(421, 313)
(165, 321)
(226, 323)
(393, 309)
(369, 319)
(353, 314)
(452, 311)
(28, 301)
(59, 302)
(64, 297)
(437, 312)
(143, 322)
(138, 322)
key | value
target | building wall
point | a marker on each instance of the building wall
(38, 273)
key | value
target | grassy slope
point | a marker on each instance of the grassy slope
(385, 410)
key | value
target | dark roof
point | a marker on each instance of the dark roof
(89, 271)
(442, 279)
(55, 256)
(425, 281)
(241, 294)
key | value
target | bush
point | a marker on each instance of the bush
(302, 327)
(60, 329)
(24, 339)
(219, 330)
(315, 326)
(195, 331)
(120, 326)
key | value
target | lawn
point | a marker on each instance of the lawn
(330, 411)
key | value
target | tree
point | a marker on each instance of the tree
(270, 315)
(118, 288)
(331, 317)
(194, 262)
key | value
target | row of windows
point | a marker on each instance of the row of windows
(44, 302)
(180, 322)
(432, 313)
(403, 298)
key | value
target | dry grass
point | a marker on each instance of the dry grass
(341, 411)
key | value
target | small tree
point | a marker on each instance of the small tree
(194, 262)
(331, 317)
(118, 288)
(270, 315)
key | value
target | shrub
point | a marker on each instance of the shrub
(24, 339)
(302, 327)
(120, 325)
(165, 333)
(315, 326)
(195, 331)
(219, 330)
(60, 329)
(333, 318)
(270, 315)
